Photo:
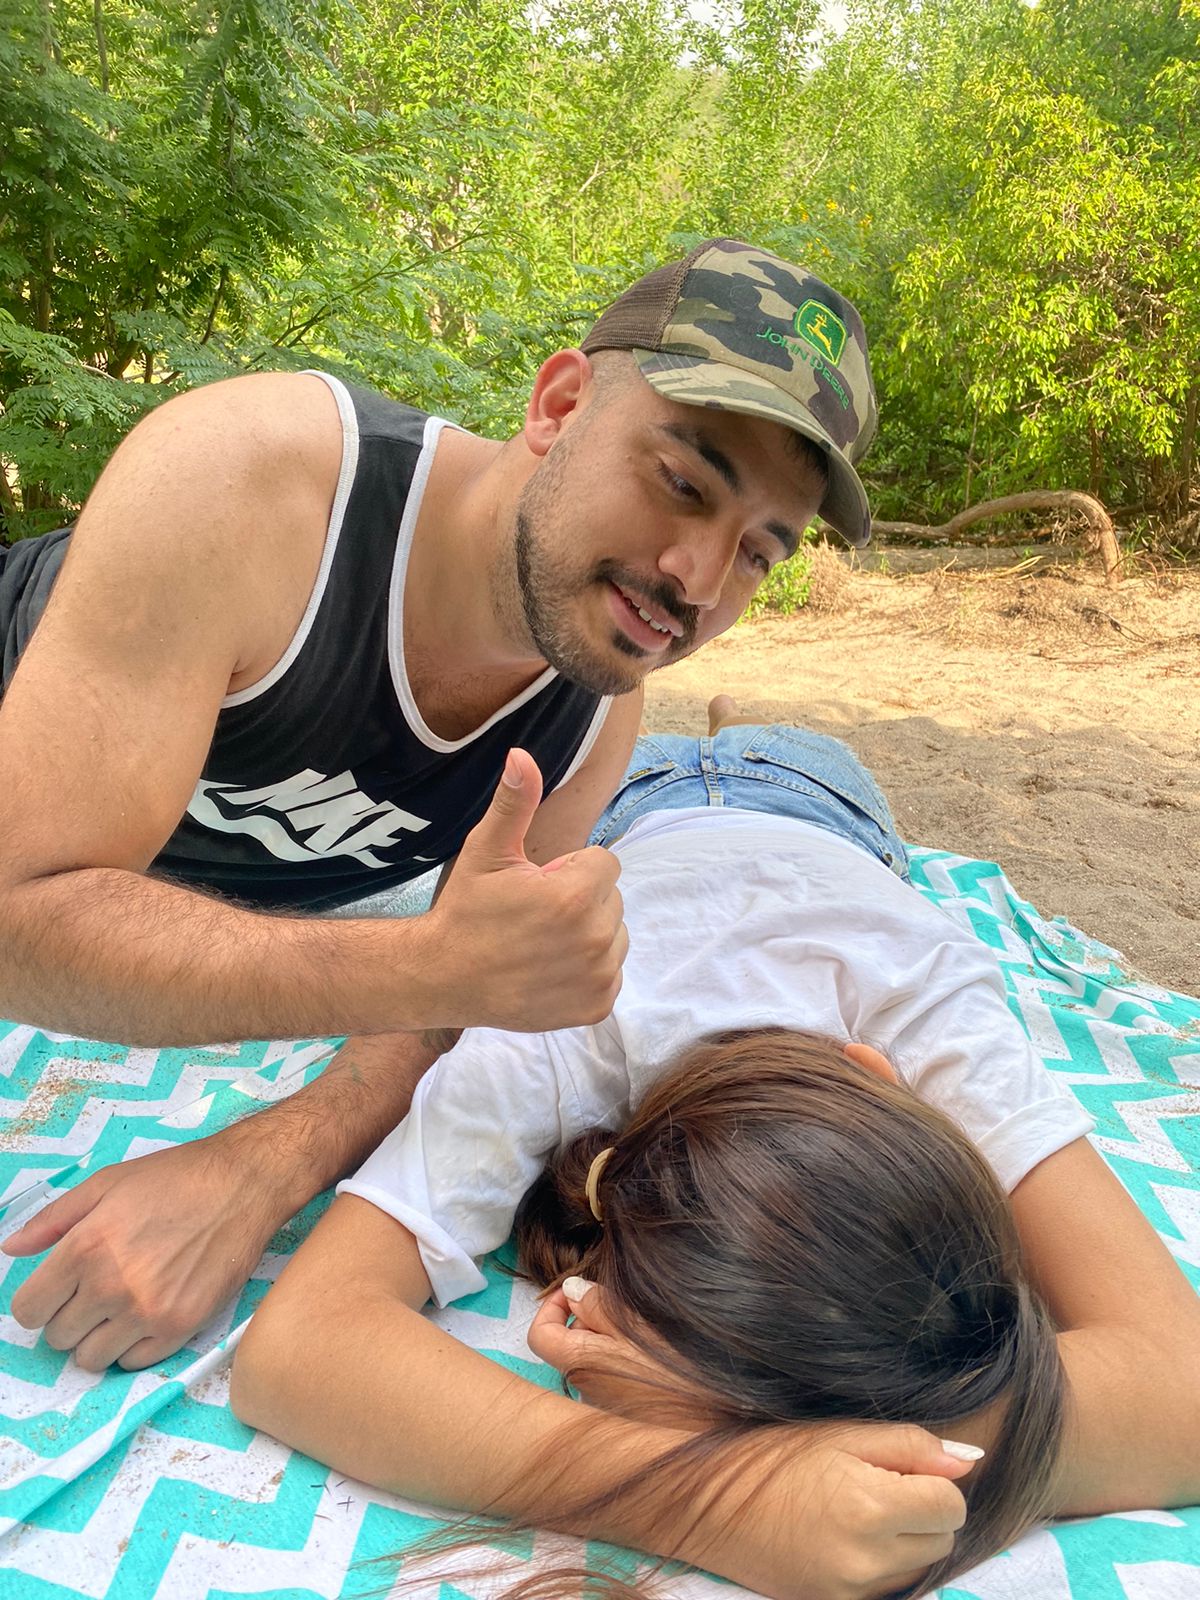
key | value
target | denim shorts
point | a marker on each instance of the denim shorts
(788, 772)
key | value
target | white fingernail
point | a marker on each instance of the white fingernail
(962, 1452)
(576, 1288)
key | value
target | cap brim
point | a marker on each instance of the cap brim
(716, 384)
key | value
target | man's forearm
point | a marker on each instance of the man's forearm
(326, 1130)
(1133, 1423)
(110, 954)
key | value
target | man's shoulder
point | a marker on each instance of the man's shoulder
(263, 420)
(222, 495)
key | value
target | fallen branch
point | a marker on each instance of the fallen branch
(1100, 535)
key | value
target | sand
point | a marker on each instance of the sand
(1030, 717)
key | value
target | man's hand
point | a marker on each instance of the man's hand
(145, 1252)
(521, 946)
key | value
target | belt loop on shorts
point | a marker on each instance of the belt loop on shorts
(708, 771)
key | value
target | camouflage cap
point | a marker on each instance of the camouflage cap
(743, 330)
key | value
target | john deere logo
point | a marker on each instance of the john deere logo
(822, 329)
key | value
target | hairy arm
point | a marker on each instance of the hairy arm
(105, 727)
(566, 817)
(186, 544)
(146, 1251)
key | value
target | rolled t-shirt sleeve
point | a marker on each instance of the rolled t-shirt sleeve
(484, 1121)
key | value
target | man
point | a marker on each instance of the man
(299, 636)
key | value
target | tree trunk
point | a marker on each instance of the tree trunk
(51, 42)
(1095, 466)
(1100, 535)
(1187, 451)
(9, 510)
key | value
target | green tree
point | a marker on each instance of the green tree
(432, 195)
(155, 166)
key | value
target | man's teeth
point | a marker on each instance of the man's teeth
(646, 617)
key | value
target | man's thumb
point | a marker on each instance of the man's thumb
(499, 837)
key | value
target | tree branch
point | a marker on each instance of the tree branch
(101, 44)
(292, 335)
(1100, 537)
(222, 280)
(8, 501)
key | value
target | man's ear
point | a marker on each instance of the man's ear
(863, 1056)
(561, 384)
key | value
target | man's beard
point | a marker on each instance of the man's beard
(546, 596)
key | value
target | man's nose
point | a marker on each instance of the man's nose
(699, 561)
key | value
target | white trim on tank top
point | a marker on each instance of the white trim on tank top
(338, 511)
(403, 688)
(589, 739)
(412, 508)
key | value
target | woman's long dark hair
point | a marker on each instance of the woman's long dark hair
(813, 1242)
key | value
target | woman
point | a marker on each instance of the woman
(785, 1233)
(768, 896)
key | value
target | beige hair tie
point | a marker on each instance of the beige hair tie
(593, 1178)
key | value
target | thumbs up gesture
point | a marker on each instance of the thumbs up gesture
(521, 946)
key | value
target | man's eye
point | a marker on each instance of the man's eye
(677, 485)
(757, 559)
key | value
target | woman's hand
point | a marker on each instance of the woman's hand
(820, 1511)
(608, 1369)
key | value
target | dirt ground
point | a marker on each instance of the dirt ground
(1030, 717)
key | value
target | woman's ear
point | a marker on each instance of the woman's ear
(864, 1056)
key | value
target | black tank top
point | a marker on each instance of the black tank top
(323, 783)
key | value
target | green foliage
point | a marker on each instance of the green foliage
(785, 588)
(433, 195)
(1059, 255)
(1032, 259)
(157, 166)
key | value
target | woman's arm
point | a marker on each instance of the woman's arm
(340, 1363)
(1130, 1326)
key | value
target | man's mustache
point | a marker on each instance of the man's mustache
(657, 594)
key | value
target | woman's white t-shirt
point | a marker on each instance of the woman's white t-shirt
(736, 919)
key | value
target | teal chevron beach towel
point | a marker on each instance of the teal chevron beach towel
(143, 1486)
